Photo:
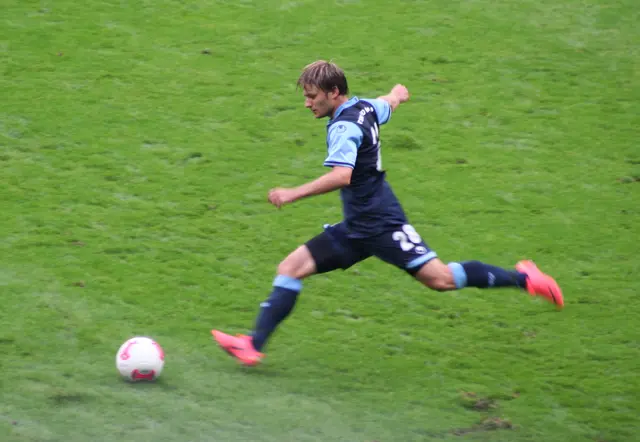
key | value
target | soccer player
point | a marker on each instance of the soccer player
(374, 222)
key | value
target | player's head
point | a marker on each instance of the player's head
(325, 87)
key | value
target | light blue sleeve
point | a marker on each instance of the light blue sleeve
(343, 140)
(383, 109)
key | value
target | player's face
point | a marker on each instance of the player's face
(321, 103)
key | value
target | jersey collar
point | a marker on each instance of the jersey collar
(342, 107)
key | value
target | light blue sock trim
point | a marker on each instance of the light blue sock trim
(459, 275)
(421, 260)
(286, 282)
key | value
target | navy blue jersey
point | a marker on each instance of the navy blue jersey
(353, 140)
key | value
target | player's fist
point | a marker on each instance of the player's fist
(281, 196)
(401, 92)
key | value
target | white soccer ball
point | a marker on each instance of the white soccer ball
(140, 359)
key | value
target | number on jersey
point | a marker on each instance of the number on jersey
(408, 238)
(375, 136)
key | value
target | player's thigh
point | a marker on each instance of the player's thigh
(332, 249)
(299, 264)
(402, 247)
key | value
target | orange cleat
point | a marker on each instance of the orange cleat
(240, 347)
(540, 284)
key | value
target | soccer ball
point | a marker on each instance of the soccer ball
(140, 359)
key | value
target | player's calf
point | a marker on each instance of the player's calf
(282, 299)
(442, 277)
(480, 275)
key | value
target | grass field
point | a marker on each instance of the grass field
(138, 141)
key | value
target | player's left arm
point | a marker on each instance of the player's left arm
(398, 95)
(386, 104)
(343, 142)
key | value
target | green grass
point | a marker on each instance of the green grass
(138, 141)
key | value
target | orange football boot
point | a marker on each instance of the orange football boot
(541, 284)
(240, 347)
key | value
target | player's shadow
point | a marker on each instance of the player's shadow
(262, 371)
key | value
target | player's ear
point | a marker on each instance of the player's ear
(334, 93)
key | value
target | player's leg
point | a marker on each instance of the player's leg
(404, 248)
(287, 285)
(298, 265)
(439, 276)
(324, 253)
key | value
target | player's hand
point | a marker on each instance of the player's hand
(281, 196)
(401, 92)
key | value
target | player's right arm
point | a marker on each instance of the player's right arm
(343, 141)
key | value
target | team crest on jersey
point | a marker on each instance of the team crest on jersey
(341, 128)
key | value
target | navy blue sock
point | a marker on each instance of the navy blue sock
(276, 308)
(480, 275)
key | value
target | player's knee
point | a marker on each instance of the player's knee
(299, 264)
(437, 276)
(440, 284)
(287, 268)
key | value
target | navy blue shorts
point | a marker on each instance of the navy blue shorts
(402, 247)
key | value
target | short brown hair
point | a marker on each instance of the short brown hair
(325, 75)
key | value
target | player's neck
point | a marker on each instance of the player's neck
(342, 99)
